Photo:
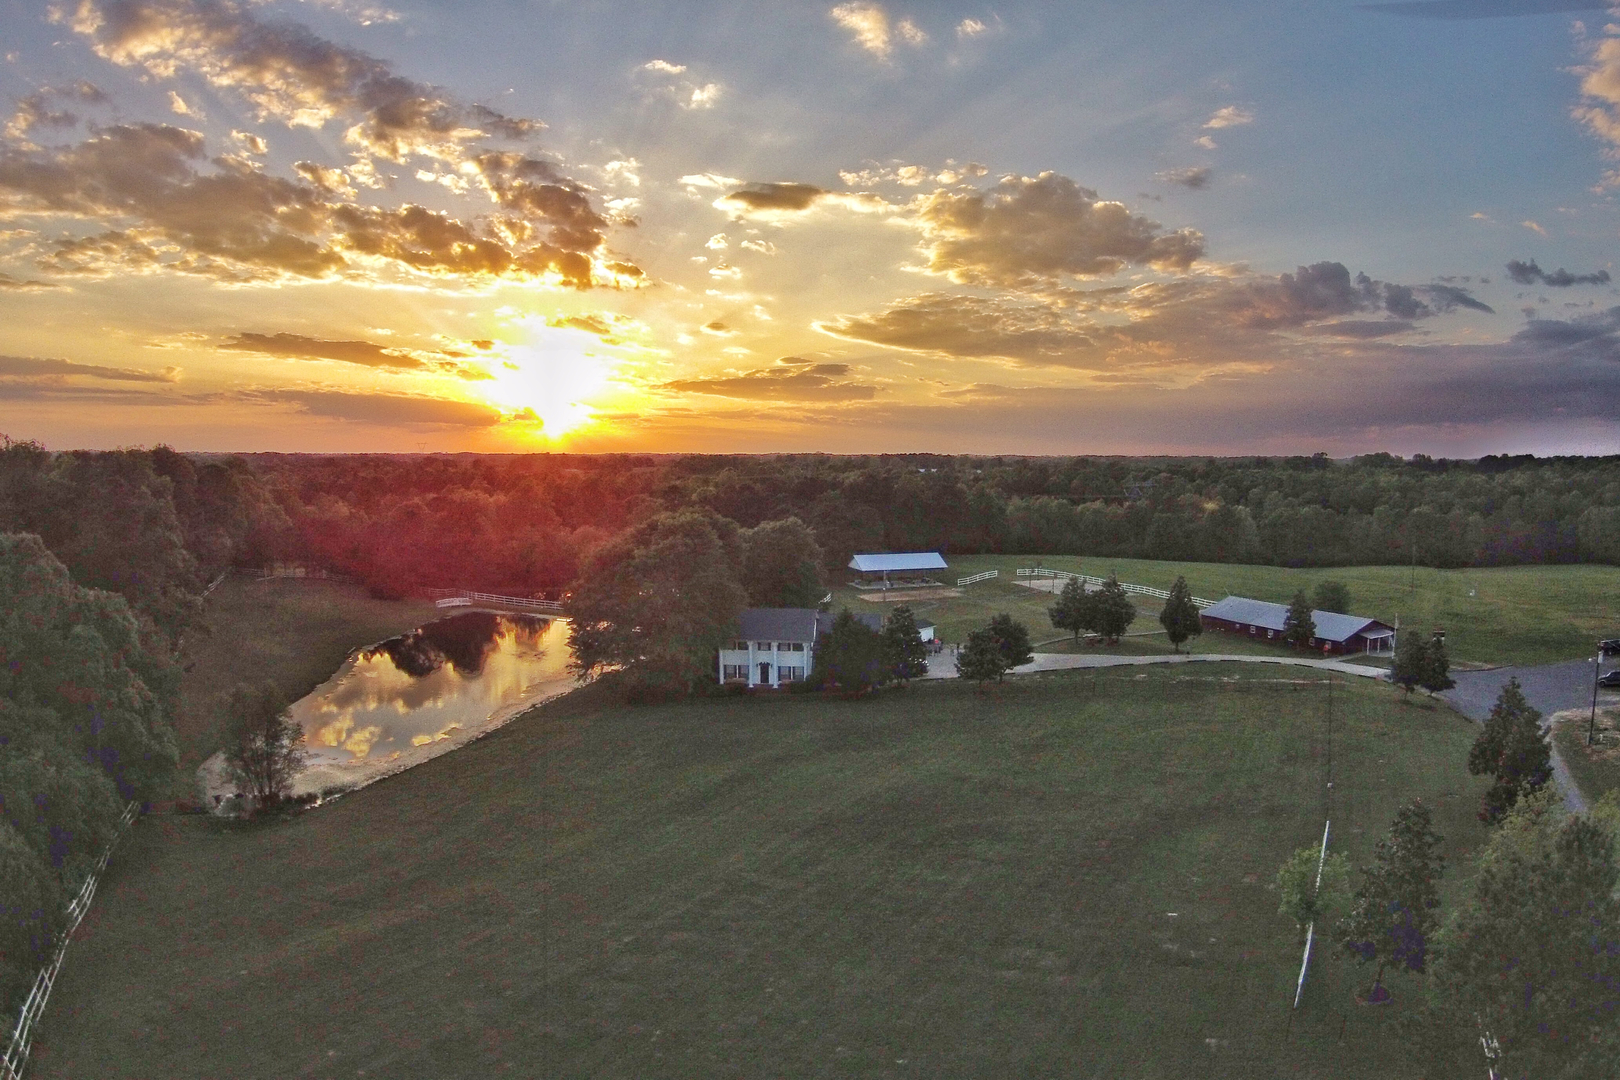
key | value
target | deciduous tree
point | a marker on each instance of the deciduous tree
(1012, 639)
(851, 656)
(1074, 609)
(1394, 910)
(1332, 596)
(1298, 895)
(782, 565)
(1410, 662)
(264, 748)
(981, 658)
(1180, 615)
(658, 601)
(1114, 611)
(1532, 960)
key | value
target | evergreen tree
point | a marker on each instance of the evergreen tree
(1533, 959)
(1012, 638)
(1393, 912)
(851, 656)
(1113, 612)
(1298, 626)
(1410, 662)
(904, 653)
(981, 658)
(1074, 610)
(1512, 750)
(1332, 596)
(1436, 672)
(1180, 615)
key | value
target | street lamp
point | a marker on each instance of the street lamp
(1591, 725)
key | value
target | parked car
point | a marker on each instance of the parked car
(1611, 680)
(1610, 646)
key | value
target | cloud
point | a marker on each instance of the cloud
(1528, 273)
(868, 24)
(1533, 227)
(11, 284)
(1163, 328)
(1194, 177)
(1229, 116)
(290, 74)
(226, 218)
(1027, 230)
(33, 367)
(792, 379)
(35, 110)
(299, 347)
(393, 410)
(783, 201)
(663, 67)
(1593, 337)
(970, 28)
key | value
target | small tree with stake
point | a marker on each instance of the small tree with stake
(1393, 912)
(1513, 751)
(1299, 897)
(1180, 615)
(904, 653)
(265, 747)
(1074, 609)
(1298, 625)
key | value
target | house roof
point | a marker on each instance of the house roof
(1330, 625)
(778, 624)
(907, 560)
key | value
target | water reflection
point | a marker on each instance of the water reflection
(449, 677)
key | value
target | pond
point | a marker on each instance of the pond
(410, 698)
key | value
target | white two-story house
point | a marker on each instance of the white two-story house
(778, 645)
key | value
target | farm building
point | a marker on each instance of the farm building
(903, 566)
(1335, 633)
(778, 645)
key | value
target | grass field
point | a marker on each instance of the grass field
(293, 633)
(1596, 769)
(1505, 615)
(1065, 876)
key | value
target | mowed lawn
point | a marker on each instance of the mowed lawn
(1063, 876)
(1500, 615)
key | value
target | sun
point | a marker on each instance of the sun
(547, 382)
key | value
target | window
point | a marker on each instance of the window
(790, 646)
(789, 674)
(1268, 635)
(739, 646)
(763, 646)
(734, 671)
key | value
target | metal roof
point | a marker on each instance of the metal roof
(778, 624)
(908, 560)
(1330, 625)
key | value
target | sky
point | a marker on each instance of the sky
(1037, 228)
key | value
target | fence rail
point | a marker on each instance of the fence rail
(1140, 590)
(22, 1037)
(1310, 931)
(551, 607)
(986, 576)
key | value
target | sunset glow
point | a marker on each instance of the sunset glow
(855, 227)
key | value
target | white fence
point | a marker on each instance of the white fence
(1140, 590)
(986, 576)
(551, 607)
(1310, 931)
(22, 1037)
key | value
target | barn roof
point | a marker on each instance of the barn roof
(778, 624)
(1330, 625)
(908, 560)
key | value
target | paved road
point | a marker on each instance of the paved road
(1548, 688)
(943, 666)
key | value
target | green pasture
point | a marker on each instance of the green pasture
(1502, 615)
(294, 633)
(1595, 767)
(1064, 876)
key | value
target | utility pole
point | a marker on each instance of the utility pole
(1591, 725)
